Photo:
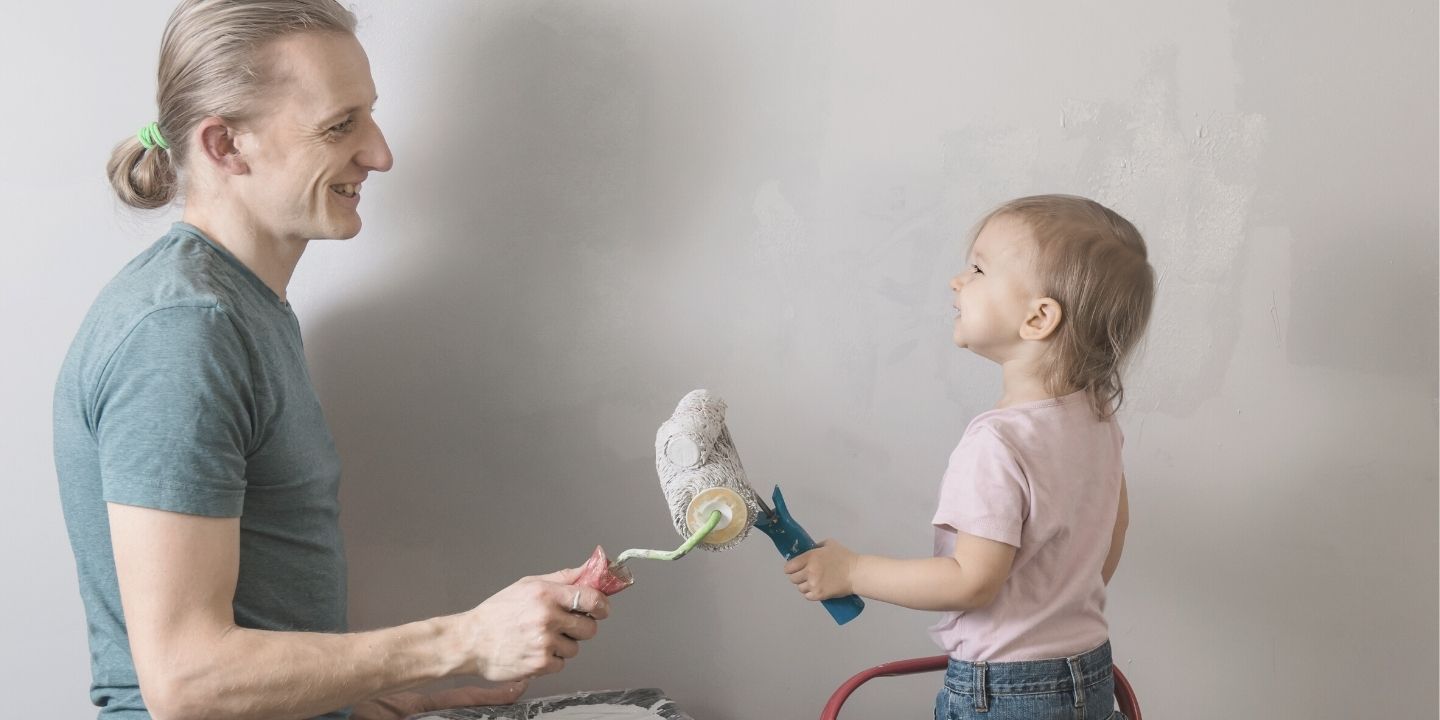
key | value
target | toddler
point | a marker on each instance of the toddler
(1032, 511)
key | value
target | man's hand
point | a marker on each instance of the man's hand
(177, 575)
(528, 629)
(824, 572)
(403, 705)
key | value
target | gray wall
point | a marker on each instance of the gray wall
(599, 206)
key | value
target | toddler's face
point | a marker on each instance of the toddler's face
(993, 292)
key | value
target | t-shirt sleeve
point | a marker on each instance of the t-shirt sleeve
(173, 414)
(984, 492)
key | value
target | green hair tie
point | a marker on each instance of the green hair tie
(150, 137)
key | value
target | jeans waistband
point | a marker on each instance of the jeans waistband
(1075, 673)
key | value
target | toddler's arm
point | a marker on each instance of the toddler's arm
(1117, 536)
(967, 580)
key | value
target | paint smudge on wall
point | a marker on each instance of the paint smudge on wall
(780, 234)
(1189, 191)
(873, 291)
(1077, 113)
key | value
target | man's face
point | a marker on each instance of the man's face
(313, 140)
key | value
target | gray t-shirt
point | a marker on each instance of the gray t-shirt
(186, 390)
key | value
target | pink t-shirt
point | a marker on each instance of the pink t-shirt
(1044, 477)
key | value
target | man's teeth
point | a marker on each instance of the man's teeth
(346, 189)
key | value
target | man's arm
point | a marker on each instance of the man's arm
(1117, 535)
(177, 576)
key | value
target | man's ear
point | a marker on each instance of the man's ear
(218, 147)
(1042, 319)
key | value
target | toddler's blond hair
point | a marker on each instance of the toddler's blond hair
(1093, 262)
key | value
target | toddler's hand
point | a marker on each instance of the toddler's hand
(824, 572)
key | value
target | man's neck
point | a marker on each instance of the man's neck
(271, 258)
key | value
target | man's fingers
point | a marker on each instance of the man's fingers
(475, 695)
(594, 603)
(552, 665)
(578, 627)
(561, 577)
(576, 598)
(565, 648)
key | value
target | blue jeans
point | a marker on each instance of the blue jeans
(1074, 688)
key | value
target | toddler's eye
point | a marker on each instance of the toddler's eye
(977, 269)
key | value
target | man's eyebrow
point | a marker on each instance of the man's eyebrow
(351, 109)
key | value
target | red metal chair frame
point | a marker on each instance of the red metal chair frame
(1124, 693)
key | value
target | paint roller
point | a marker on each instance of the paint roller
(711, 502)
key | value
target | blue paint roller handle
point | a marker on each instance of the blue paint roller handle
(791, 540)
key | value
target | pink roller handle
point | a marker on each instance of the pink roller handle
(599, 573)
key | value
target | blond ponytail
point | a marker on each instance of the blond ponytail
(142, 178)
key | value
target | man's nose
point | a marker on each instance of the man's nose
(375, 153)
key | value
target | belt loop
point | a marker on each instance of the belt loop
(1077, 677)
(982, 687)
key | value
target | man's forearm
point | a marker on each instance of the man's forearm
(244, 673)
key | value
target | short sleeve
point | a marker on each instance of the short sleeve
(984, 492)
(173, 414)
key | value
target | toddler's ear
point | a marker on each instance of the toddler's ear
(1042, 319)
